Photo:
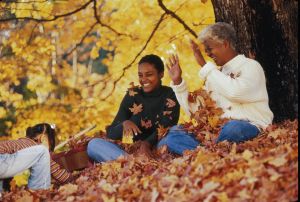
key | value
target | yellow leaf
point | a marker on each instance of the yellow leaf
(213, 120)
(94, 52)
(247, 155)
(223, 197)
(2, 112)
(279, 161)
(68, 189)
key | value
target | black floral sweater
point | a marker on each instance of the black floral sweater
(149, 111)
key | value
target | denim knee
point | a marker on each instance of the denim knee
(238, 131)
(93, 143)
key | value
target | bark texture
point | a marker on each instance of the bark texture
(269, 29)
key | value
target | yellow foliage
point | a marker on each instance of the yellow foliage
(44, 79)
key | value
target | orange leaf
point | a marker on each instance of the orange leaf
(135, 109)
(170, 103)
(132, 92)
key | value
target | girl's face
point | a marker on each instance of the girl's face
(149, 77)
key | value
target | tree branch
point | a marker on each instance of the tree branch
(101, 23)
(55, 17)
(81, 40)
(138, 54)
(169, 12)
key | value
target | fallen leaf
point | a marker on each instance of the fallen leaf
(279, 161)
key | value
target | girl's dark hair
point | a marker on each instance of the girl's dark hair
(154, 60)
(32, 132)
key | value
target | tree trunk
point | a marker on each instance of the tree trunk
(269, 28)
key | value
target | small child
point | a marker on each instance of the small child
(32, 152)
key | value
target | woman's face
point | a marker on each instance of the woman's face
(149, 77)
(217, 51)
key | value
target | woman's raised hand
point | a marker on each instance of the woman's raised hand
(198, 55)
(174, 69)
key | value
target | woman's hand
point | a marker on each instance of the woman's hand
(198, 55)
(130, 127)
(174, 70)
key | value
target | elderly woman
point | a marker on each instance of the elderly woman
(238, 86)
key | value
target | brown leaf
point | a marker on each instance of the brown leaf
(146, 124)
(165, 113)
(135, 109)
(170, 103)
(132, 92)
(162, 131)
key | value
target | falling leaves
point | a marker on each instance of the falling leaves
(135, 109)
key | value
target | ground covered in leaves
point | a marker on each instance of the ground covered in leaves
(263, 169)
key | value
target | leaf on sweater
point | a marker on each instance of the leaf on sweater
(132, 93)
(132, 86)
(135, 109)
(146, 124)
(170, 103)
(165, 113)
(234, 76)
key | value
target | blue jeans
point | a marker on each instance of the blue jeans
(177, 141)
(237, 131)
(101, 150)
(35, 158)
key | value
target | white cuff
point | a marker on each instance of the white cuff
(180, 87)
(206, 69)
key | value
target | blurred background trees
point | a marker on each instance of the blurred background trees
(71, 62)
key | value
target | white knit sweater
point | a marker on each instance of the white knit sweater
(239, 89)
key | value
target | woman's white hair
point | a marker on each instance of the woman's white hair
(219, 32)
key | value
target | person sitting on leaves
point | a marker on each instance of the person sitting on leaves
(238, 87)
(32, 152)
(143, 111)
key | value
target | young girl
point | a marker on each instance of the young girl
(32, 152)
(143, 110)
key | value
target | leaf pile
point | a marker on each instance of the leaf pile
(263, 169)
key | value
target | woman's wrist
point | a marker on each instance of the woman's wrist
(177, 81)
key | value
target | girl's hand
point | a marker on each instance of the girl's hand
(174, 69)
(130, 127)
